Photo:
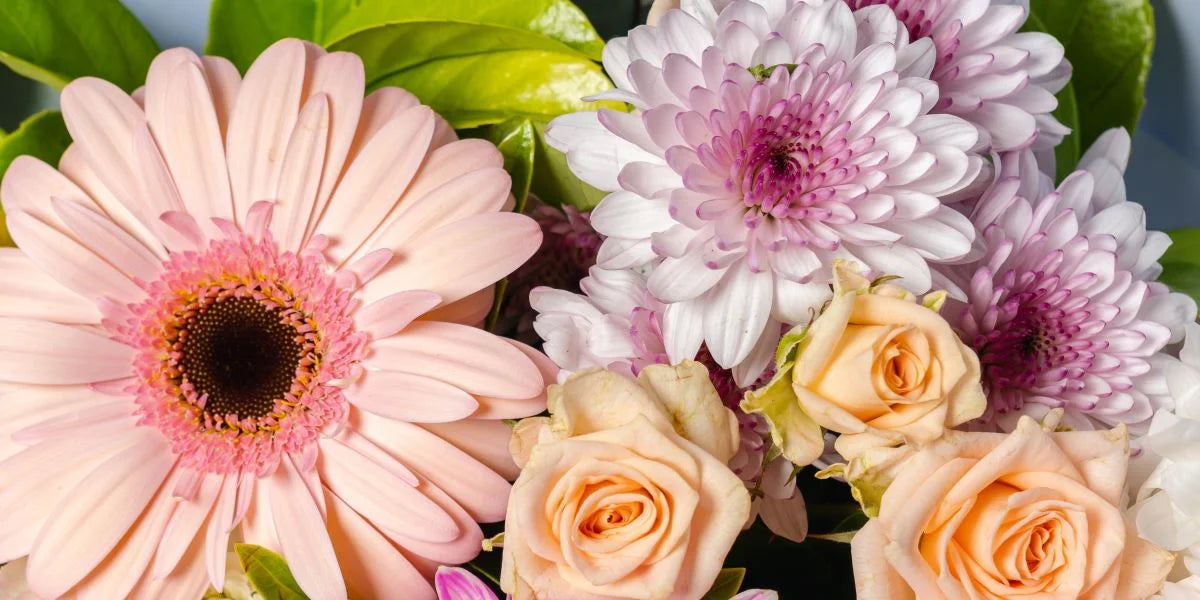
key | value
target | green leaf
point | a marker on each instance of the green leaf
(60, 40)
(1181, 262)
(241, 29)
(1109, 44)
(268, 573)
(558, 20)
(728, 582)
(517, 141)
(44, 136)
(481, 89)
(553, 182)
(1066, 155)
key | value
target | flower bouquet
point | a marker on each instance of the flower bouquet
(761, 299)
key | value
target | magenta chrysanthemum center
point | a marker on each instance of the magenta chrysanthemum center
(785, 164)
(1018, 353)
(238, 346)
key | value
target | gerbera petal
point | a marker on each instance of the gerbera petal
(49, 353)
(300, 175)
(183, 528)
(70, 262)
(423, 209)
(125, 566)
(179, 107)
(73, 541)
(340, 76)
(392, 504)
(263, 117)
(409, 397)
(34, 480)
(54, 301)
(469, 358)
(102, 119)
(371, 565)
(375, 180)
(460, 258)
(307, 548)
(475, 486)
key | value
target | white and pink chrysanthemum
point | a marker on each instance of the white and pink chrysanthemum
(766, 141)
(244, 308)
(1001, 80)
(616, 324)
(1063, 308)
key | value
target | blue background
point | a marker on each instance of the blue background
(1164, 172)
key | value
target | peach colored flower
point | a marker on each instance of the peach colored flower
(993, 516)
(613, 501)
(876, 366)
(245, 307)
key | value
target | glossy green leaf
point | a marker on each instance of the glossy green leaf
(1181, 263)
(55, 41)
(241, 29)
(728, 582)
(44, 136)
(1066, 155)
(517, 141)
(553, 182)
(1109, 44)
(487, 88)
(268, 573)
(558, 20)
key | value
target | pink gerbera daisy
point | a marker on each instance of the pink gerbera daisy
(245, 308)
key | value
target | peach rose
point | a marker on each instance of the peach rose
(613, 502)
(876, 366)
(992, 516)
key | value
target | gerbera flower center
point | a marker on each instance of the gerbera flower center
(240, 351)
(240, 355)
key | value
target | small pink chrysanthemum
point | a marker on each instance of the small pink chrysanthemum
(568, 251)
(616, 324)
(988, 73)
(765, 141)
(244, 308)
(1063, 309)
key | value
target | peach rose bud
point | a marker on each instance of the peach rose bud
(877, 366)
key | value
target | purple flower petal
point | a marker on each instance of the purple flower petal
(757, 595)
(456, 583)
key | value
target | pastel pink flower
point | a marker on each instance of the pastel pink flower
(244, 308)
(988, 72)
(1063, 308)
(767, 139)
